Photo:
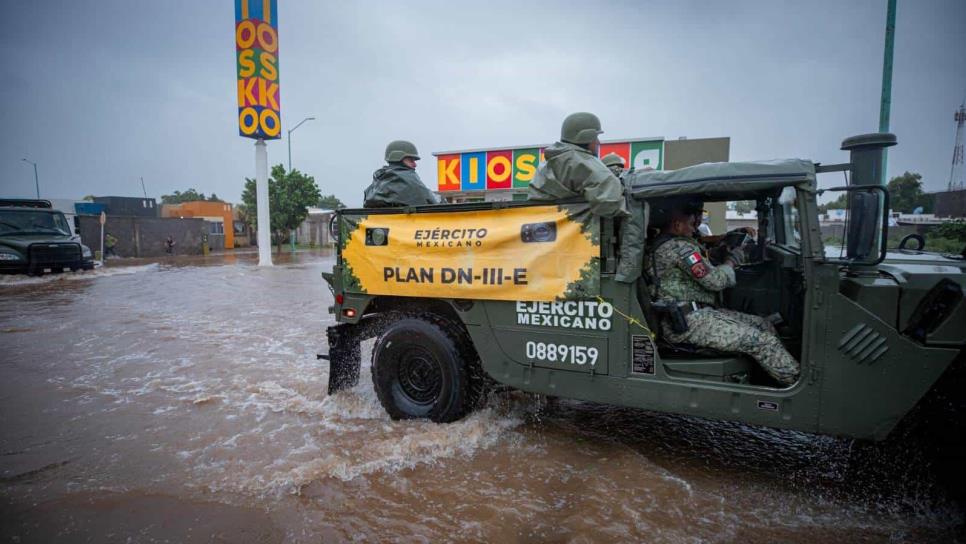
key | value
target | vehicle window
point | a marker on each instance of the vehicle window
(791, 226)
(740, 213)
(28, 221)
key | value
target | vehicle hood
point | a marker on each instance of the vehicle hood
(908, 263)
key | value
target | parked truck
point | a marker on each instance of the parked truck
(36, 239)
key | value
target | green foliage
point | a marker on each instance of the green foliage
(744, 206)
(954, 230)
(191, 195)
(905, 194)
(289, 195)
(330, 202)
(839, 203)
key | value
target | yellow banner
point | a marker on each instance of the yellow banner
(527, 254)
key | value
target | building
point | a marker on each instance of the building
(128, 206)
(504, 173)
(951, 203)
(314, 231)
(221, 231)
(243, 232)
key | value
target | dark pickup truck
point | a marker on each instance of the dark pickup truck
(36, 239)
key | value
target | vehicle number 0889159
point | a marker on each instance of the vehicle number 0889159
(562, 353)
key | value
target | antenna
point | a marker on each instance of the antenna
(145, 191)
(957, 173)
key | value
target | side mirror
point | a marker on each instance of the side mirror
(867, 224)
(76, 225)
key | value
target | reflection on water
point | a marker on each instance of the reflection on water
(180, 399)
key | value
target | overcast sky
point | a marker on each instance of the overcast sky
(100, 93)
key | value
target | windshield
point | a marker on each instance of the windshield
(33, 222)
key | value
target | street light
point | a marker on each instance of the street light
(290, 131)
(36, 181)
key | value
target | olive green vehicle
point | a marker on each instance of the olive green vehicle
(35, 239)
(876, 331)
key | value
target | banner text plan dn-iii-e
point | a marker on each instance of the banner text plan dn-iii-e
(541, 253)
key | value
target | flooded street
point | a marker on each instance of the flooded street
(181, 401)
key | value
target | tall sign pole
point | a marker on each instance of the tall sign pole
(259, 112)
(885, 105)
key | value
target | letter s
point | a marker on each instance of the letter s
(269, 71)
(246, 63)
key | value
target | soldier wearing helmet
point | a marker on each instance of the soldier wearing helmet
(573, 169)
(397, 183)
(614, 163)
(687, 287)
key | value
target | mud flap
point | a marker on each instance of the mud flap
(345, 358)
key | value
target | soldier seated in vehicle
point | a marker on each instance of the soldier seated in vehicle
(687, 287)
(573, 170)
(397, 183)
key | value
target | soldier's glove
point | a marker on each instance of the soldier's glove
(737, 256)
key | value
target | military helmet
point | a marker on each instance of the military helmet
(613, 159)
(397, 150)
(580, 128)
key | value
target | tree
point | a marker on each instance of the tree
(330, 202)
(839, 203)
(178, 197)
(905, 194)
(289, 195)
(213, 198)
(744, 206)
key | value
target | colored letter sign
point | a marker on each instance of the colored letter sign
(499, 169)
(622, 149)
(256, 54)
(473, 171)
(448, 173)
(525, 163)
(647, 155)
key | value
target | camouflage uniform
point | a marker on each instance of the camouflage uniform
(684, 274)
(397, 185)
(572, 171)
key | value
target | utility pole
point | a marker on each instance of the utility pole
(289, 139)
(36, 180)
(885, 104)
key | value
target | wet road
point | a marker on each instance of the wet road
(182, 401)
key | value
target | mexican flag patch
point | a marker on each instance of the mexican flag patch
(694, 258)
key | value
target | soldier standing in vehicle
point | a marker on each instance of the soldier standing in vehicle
(572, 169)
(614, 163)
(397, 183)
(685, 281)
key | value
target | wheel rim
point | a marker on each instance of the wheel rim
(420, 376)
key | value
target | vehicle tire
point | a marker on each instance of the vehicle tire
(424, 366)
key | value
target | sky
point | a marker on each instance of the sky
(103, 93)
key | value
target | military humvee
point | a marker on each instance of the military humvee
(549, 299)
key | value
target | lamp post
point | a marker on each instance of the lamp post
(290, 131)
(36, 181)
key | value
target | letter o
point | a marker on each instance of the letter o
(267, 38)
(605, 310)
(248, 120)
(504, 172)
(276, 124)
(245, 34)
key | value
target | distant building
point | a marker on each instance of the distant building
(951, 203)
(221, 232)
(315, 229)
(128, 206)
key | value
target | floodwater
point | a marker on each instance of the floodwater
(181, 401)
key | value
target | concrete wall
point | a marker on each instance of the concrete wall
(951, 204)
(315, 230)
(145, 236)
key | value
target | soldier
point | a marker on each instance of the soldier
(614, 163)
(397, 183)
(685, 281)
(573, 169)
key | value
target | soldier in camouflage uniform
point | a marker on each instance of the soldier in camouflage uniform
(573, 169)
(682, 274)
(614, 163)
(397, 183)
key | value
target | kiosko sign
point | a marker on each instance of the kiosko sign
(489, 169)
(256, 59)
